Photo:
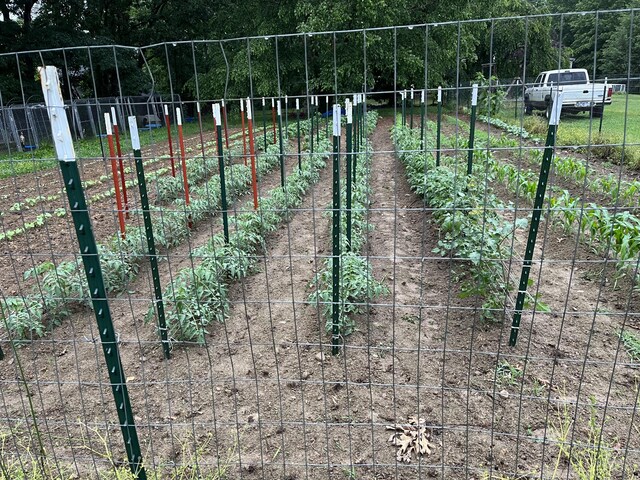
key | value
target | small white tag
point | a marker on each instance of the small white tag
(198, 106)
(422, 96)
(297, 104)
(556, 109)
(178, 116)
(166, 110)
(263, 104)
(107, 124)
(411, 93)
(279, 109)
(249, 111)
(474, 95)
(133, 133)
(114, 118)
(241, 105)
(272, 103)
(439, 94)
(349, 111)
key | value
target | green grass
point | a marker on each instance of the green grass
(580, 129)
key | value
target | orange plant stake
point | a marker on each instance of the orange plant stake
(244, 135)
(167, 120)
(116, 132)
(114, 172)
(183, 160)
(252, 149)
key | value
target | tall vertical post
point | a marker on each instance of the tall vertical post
(217, 120)
(438, 126)
(167, 121)
(411, 110)
(264, 124)
(422, 112)
(114, 173)
(89, 253)
(298, 133)
(183, 161)
(604, 99)
(281, 145)
(318, 121)
(273, 118)
(326, 122)
(123, 180)
(356, 107)
(286, 115)
(244, 133)
(349, 153)
(311, 114)
(252, 151)
(472, 127)
(225, 124)
(403, 96)
(535, 217)
(335, 233)
(148, 230)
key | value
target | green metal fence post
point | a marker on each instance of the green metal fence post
(91, 262)
(264, 124)
(472, 127)
(298, 133)
(411, 110)
(535, 218)
(438, 126)
(349, 153)
(223, 185)
(422, 112)
(148, 230)
(326, 123)
(604, 98)
(335, 317)
(281, 144)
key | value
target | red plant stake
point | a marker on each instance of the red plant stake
(120, 162)
(244, 134)
(273, 117)
(224, 125)
(183, 160)
(167, 120)
(252, 149)
(114, 172)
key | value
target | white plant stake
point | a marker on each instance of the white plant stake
(241, 106)
(166, 110)
(439, 94)
(297, 104)
(249, 112)
(133, 133)
(178, 116)
(263, 104)
(58, 118)
(349, 111)
(411, 93)
(556, 109)
(198, 107)
(422, 99)
(107, 124)
(279, 109)
(113, 116)
(273, 104)
(336, 120)
(474, 95)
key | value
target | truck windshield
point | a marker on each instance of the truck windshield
(568, 78)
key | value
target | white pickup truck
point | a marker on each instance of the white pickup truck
(579, 95)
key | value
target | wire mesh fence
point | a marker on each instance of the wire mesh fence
(395, 252)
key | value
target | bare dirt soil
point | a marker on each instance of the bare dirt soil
(265, 399)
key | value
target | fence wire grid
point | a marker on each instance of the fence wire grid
(349, 254)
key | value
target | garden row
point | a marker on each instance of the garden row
(59, 287)
(467, 212)
(357, 283)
